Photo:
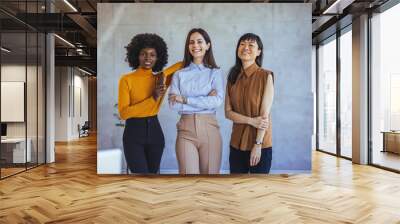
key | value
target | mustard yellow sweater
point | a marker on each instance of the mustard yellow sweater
(135, 92)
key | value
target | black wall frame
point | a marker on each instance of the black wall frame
(389, 4)
(43, 39)
(338, 34)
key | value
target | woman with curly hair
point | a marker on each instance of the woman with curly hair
(196, 92)
(139, 99)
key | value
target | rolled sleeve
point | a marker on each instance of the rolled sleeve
(174, 90)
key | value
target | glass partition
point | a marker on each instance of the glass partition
(346, 93)
(14, 152)
(22, 64)
(327, 96)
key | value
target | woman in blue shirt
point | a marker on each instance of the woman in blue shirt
(196, 92)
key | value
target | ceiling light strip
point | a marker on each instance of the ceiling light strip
(331, 7)
(64, 40)
(70, 5)
(5, 50)
(86, 72)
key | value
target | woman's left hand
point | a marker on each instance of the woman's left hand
(255, 155)
(175, 99)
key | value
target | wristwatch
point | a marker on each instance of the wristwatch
(258, 142)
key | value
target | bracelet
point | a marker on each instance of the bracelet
(184, 100)
(258, 142)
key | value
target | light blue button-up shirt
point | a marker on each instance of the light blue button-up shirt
(195, 82)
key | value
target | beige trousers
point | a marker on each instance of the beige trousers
(198, 144)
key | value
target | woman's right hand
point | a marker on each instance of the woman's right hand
(159, 91)
(260, 122)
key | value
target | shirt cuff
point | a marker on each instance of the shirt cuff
(183, 107)
(188, 100)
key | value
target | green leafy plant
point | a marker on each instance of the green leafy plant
(120, 122)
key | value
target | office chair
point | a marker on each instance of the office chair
(84, 130)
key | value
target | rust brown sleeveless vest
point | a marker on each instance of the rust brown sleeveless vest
(246, 97)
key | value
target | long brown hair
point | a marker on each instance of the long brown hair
(208, 59)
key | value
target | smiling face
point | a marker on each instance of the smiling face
(147, 58)
(198, 47)
(248, 50)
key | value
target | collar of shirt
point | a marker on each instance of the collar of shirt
(249, 70)
(200, 67)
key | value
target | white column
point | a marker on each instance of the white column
(50, 110)
(50, 92)
(360, 90)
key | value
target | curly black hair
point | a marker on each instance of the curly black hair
(147, 40)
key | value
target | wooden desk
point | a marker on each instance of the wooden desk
(391, 141)
(13, 150)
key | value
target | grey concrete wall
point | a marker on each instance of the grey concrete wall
(286, 33)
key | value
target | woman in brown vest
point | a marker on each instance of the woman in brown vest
(248, 101)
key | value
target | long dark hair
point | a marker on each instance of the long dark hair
(235, 70)
(208, 59)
